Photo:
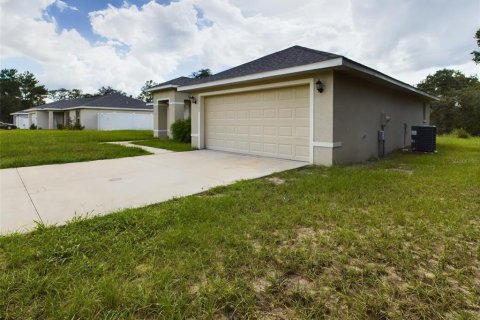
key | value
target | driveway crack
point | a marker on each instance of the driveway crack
(29, 196)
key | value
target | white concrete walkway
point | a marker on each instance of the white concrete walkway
(54, 194)
(146, 148)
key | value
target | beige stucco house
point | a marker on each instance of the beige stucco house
(298, 104)
(108, 112)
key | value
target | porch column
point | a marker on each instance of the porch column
(160, 119)
(50, 120)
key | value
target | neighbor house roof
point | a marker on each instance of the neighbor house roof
(291, 61)
(109, 101)
(20, 112)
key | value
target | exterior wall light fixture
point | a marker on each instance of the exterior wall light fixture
(320, 86)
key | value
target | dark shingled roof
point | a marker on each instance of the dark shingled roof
(287, 58)
(290, 57)
(113, 100)
(180, 81)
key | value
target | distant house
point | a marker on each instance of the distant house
(298, 104)
(109, 112)
(20, 119)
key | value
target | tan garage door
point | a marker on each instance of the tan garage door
(272, 123)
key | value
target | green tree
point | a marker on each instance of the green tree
(202, 73)
(108, 90)
(144, 94)
(476, 54)
(444, 81)
(10, 95)
(19, 91)
(65, 94)
(459, 104)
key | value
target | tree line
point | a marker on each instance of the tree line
(20, 91)
(459, 98)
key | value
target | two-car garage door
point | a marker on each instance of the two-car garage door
(272, 123)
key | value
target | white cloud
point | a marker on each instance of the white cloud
(61, 5)
(407, 39)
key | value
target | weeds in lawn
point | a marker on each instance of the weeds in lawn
(357, 242)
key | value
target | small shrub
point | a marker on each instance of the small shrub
(60, 126)
(74, 125)
(461, 133)
(33, 126)
(182, 130)
(78, 126)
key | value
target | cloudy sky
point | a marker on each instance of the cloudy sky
(87, 44)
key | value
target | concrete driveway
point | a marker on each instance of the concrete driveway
(54, 194)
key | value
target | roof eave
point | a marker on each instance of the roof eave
(332, 63)
(18, 112)
(372, 72)
(89, 107)
(168, 86)
(266, 75)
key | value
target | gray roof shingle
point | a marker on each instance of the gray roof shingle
(180, 81)
(113, 100)
(290, 57)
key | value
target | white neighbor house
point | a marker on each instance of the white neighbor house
(109, 112)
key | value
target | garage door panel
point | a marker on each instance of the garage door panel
(302, 93)
(302, 151)
(270, 148)
(285, 131)
(271, 123)
(301, 113)
(285, 94)
(285, 113)
(270, 96)
(303, 132)
(269, 113)
(285, 149)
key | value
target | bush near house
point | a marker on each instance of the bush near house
(182, 130)
(461, 133)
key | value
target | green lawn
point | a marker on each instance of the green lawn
(21, 148)
(165, 144)
(392, 239)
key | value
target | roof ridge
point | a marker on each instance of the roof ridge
(316, 51)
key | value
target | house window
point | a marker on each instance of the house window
(424, 113)
(77, 116)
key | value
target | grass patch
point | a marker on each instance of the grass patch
(21, 148)
(167, 144)
(392, 239)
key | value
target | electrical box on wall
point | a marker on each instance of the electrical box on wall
(381, 135)
(385, 119)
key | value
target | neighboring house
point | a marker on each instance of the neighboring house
(299, 104)
(20, 119)
(109, 112)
